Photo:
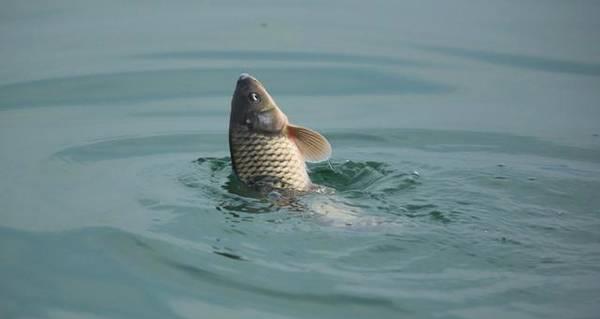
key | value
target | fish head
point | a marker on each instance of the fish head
(253, 107)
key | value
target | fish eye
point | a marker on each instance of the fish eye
(254, 97)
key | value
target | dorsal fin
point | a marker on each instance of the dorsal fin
(313, 146)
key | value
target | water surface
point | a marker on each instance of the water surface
(466, 162)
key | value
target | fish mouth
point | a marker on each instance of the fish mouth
(246, 78)
(247, 82)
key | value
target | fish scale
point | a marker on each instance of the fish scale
(271, 161)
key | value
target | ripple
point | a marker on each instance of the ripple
(442, 141)
(343, 177)
(362, 177)
(520, 61)
(284, 56)
(438, 141)
(363, 196)
(152, 85)
(214, 178)
(127, 147)
(195, 272)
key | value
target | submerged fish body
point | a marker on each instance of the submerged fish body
(267, 152)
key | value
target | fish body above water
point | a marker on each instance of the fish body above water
(268, 152)
(271, 160)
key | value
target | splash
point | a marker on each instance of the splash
(348, 193)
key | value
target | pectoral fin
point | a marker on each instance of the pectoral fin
(313, 146)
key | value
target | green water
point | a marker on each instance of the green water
(466, 160)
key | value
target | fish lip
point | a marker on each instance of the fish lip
(245, 77)
(247, 82)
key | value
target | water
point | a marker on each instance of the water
(466, 161)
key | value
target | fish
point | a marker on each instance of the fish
(267, 151)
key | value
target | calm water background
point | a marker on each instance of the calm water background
(466, 160)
